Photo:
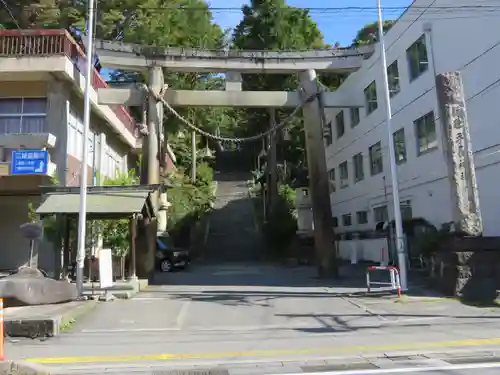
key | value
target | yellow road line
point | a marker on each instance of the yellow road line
(267, 353)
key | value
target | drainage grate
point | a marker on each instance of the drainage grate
(472, 360)
(340, 367)
(214, 371)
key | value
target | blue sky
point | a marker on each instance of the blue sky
(336, 25)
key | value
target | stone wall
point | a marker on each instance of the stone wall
(468, 268)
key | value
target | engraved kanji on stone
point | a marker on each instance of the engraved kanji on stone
(458, 115)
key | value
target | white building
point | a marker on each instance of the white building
(431, 37)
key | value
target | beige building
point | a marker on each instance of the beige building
(41, 107)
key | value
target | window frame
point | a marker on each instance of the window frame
(394, 81)
(358, 215)
(328, 134)
(406, 207)
(402, 142)
(432, 144)
(340, 124)
(355, 161)
(22, 114)
(354, 116)
(382, 208)
(344, 221)
(371, 103)
(332, 180)
(371, 149)
(344, 181)
(335, 222)
(417, 65)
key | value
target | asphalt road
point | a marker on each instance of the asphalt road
(229, 315)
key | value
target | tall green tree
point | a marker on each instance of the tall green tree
(46, 14)
(369, 33)
(274, 25)
(185, 23)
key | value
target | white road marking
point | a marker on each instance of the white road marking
(472, 366)
(182, 315)
(412, 320)
(207, 329)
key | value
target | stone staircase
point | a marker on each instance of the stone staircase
(233, 236)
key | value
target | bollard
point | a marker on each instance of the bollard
(2, 357)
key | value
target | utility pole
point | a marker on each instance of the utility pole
(80, 255)
(193, 157)
(324, 240)
(400, 241)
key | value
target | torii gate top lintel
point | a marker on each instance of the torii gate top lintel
(139, 57)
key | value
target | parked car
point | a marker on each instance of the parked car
(169, 257)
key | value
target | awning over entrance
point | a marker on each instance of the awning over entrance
(100, 205)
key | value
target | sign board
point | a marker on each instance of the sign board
(32, 231)
(25, 162)
(105, 268)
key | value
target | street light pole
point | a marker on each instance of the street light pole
(80, 255)
(400, 246)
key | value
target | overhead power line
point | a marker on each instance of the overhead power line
(318, 9)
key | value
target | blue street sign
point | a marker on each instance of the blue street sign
(30, 162)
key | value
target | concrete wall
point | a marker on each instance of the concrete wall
(453, 43)
(14, 249)
(370, 250)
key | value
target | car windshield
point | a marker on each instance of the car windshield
(166, 241)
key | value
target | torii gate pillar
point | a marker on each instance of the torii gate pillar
(314, 120)
(150, 174)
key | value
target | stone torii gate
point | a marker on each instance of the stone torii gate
(234, 63)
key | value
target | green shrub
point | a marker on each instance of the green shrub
(281, 226)
(189, 202)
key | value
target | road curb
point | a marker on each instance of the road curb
(22, 368)
(47, 326)
(68, 319)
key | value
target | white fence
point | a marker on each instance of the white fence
(373, 250)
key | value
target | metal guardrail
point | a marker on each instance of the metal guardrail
(394, 282)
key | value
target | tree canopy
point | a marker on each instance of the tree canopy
(369, 33)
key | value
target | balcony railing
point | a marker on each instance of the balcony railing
(39, 42)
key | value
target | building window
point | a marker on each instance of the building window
(344, 175)
(376, 163)
(331, 179)
(399, 146)
(393, 78)
(425, 132)
(327, 133)
(371, 98)
(339, 122)
(354, 112)
(406, 210)
(359, 173)
(335, 221)
(380, 214)
(346, 220)
(23, 115)
(418, 61)
(362, 217)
